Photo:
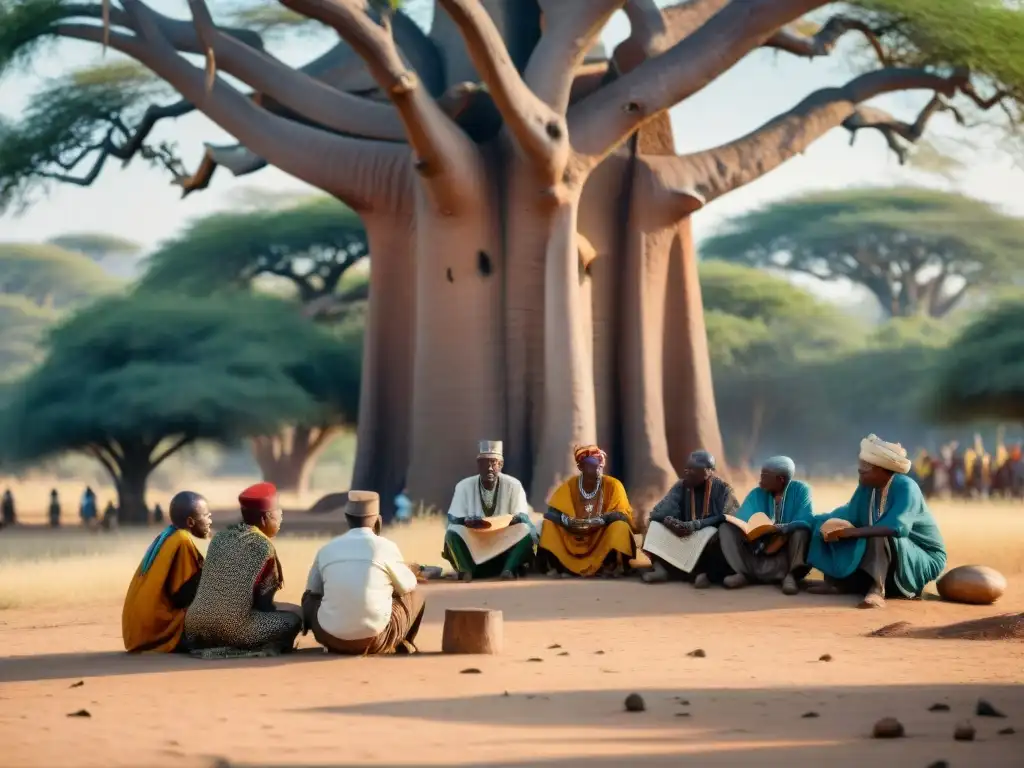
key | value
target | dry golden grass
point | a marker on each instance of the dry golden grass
(72, 566)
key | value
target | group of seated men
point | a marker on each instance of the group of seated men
(361, 598)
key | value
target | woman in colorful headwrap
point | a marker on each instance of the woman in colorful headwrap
(153, 617)
(884, 540)
(587, 528)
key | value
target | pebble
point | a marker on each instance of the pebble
(682, 714)
(79, 684)
(809, 715)
(564, 653)
(1007, 732)
(939, 707)
(697, 654)
(553, 647)
(635, 703)
(470, 671)
(888, 728)
(80, 713)
(964, 731)
(535, 659)
(939, 764)
(599, 653)
(825, 657)
(985, 709)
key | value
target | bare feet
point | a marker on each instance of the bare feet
(657, 575)
(734, 581)
(873, 599)
(508, 576)
(789, 585)
(702, 581)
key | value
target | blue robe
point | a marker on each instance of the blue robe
(918, 549)
(797, 511)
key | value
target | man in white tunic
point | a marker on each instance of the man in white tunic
(489, 528)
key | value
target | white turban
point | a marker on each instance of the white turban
(891, 456)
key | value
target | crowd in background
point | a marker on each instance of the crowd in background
(971, 472)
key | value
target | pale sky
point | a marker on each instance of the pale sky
(140, 204)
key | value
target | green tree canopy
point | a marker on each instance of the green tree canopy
(918, 251)
(310, 245)
(96, 245)
(981, 374)
(51, 276)
(23, 326)
(756, 319)
(130, 380)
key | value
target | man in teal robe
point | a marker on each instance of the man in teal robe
(892, 545)
(779, 557)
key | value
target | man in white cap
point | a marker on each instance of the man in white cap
(361, 598)
(884, 541)
(779, 556)
(489, 528)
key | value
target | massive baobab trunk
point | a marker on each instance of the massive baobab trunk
(533, 276)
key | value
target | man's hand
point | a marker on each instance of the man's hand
(833, 536)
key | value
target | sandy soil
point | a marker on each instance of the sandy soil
(742, 704)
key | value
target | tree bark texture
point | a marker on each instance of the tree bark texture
(533, 277)
(287, 458)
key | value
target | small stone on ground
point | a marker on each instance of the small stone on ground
(635, 703)
(986, 709)
(964, 731)
(888, 728)
(697, 654)
(80, 713)
(939, 707)
(825, 657)
(470, 671)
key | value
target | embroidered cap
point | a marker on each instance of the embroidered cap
(362, 504)
(490, 449)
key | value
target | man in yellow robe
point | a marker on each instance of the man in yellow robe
(587, 528)
(153, 618)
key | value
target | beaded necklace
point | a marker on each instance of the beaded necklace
(599, 488)
(488, 498)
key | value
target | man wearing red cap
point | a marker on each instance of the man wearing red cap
(234, 606)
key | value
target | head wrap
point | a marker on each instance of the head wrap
(780, 465)
(700, 460)
(490, 449)
(261, 497)
(581, 452)
(891, 456)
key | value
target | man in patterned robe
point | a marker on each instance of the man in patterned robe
(234, 609)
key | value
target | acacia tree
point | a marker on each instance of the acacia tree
(131, 380)
(918, 251)
(981, 374)
(533, 272)
(310, 246)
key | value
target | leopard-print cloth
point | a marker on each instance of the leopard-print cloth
(223, 613)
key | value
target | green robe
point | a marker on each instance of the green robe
(797, 511)
(918, 549)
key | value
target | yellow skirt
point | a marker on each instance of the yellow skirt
(584, 555)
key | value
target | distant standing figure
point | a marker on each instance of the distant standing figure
(54, 509)
(7, 513)
(109, 521)
(403, 507)
(158, 514)
(87, 507)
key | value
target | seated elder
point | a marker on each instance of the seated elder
(164, 584)
(234, 607)
(779, 554)
(682, 539)
(587, 528)
(360, 597)
(884, 541)
(489, 528)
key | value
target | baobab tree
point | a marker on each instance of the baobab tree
(533, 276)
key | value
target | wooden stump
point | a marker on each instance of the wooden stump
(472, 630)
